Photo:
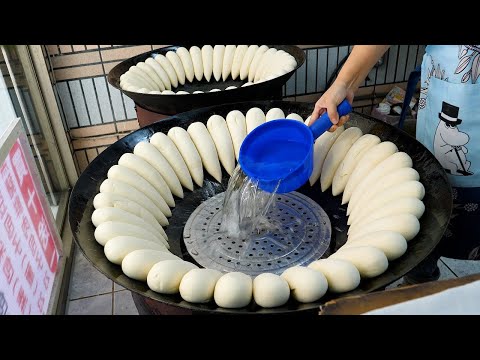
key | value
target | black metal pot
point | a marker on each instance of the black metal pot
(174, 104)
(438, 203)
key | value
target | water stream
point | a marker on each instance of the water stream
(246, 208)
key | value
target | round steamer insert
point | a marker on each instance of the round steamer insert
(303, 237)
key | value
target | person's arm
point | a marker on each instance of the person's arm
(353, 73)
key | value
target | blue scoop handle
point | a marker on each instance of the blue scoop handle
(324, 123)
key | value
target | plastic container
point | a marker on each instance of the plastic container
(384, 108)
(282, 150)
(389, 119)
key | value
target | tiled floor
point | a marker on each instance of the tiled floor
(446, 272)
(91, 293)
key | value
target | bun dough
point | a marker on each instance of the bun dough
(165, 277)
(307, 285)
(130, 193)
(372, 157)
(320, 151)
(233, 290)
(394, 162)
(256, 61)
(152, 74)
(264, 63)
(130, 177)
(148, 172)
(196, 55)
(138, 263)
(144, 76)
(133, 79)
(336, 154)
(110, 229)
(238, 60)
(247, 60)
(168, 149)
(106, 200)
(350, 161)
(406, 205)
(274, 114)
(341, 275)
(207, 58)
(237, 128)
(294, 116)
(217, 127)
(189, 152)
(405, 224)
(407, 189)
(254, 118)
(218, 54)
(369, 261)
(105, 214)
(270, 290)
(161, 73)
(198, 285)
(206, 148)
(169, 69)
(228, 61)
(117, 248)
(391, 243)
(154, 157)
(396, 177)
(187, 63)
(177, 66)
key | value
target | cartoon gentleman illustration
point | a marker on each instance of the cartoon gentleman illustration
(449, 143)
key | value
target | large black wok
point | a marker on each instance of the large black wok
(438, 202)
(174, 104)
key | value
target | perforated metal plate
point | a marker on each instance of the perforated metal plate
(303, 237)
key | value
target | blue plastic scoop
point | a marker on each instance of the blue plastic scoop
(283, 150)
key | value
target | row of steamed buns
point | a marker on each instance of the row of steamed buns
(162, 74)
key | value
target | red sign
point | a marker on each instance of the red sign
(28, 252)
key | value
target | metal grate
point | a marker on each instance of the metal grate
(322, 64)
(303, 237)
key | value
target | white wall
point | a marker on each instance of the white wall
(7, 113)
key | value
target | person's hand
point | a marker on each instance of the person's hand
(329, 102)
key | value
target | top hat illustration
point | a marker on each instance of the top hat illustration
(449, 114)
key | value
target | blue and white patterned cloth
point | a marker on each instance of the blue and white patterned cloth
(448, 125)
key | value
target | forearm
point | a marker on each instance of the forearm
(359, 63)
